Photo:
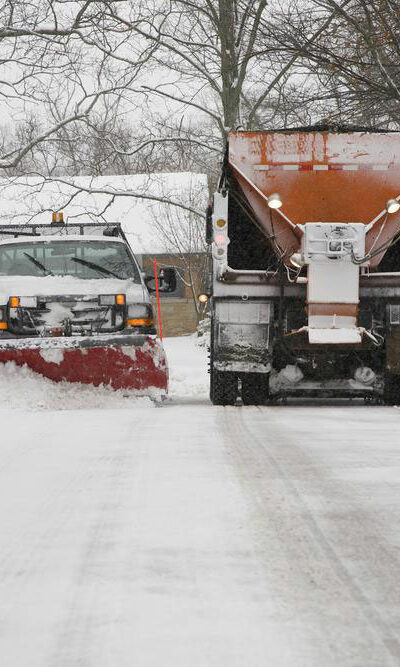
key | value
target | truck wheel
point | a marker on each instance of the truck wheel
(223, 388)
(255, 388)
(391, 392)
(223, 385)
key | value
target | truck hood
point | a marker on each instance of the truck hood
(69, 286)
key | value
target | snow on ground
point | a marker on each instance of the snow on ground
(192, 535)
(188, 363)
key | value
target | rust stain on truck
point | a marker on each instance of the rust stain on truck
(321, 177)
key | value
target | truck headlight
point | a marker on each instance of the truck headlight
(112, 299)
(139, 315)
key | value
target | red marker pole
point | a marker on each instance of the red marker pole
(158, 299)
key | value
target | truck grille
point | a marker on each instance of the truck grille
(80, 315)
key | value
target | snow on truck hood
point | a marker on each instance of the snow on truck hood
(69, 286)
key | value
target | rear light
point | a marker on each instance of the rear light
(220, 223)
(221, 240)
(3, 325)
(14, 301)
(120, 299)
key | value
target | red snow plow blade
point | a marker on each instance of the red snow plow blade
(121, 361)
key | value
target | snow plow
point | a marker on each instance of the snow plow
(304, 232)
(75, 307)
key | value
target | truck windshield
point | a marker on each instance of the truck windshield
(82, 259)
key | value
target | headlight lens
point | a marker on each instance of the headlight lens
(138, 310)
(139, 315)
(107, 299)
(28, 302)
(112, 299)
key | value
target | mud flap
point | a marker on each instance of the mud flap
(121, 361)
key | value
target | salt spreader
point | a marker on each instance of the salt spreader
(305, 288)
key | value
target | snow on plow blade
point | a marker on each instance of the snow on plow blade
(121, 361)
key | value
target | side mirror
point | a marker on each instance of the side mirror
(166, 281)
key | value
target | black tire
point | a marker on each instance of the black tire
(223, 388)
(255, 388)
(223, 385)
(391, 392)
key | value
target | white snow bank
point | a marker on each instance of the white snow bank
(22, 389)
(188, 364)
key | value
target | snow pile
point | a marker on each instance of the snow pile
(22, 389)
(188, 364)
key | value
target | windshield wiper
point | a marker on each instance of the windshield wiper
(95, 267)
(39, 264)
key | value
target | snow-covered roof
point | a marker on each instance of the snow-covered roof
(30, 199)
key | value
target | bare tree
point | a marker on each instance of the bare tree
(111, 87)
(213, 61)
(353, 58)
(182, 234)
(60, 63)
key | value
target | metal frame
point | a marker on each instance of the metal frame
(77, 228)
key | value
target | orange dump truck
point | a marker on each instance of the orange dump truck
(304, 231)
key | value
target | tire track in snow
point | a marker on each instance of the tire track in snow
(306, 574)
(98, 565)
(34, 592)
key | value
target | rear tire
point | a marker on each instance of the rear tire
(223, 388)
(223, 385)
(391, 392)
(255, 388)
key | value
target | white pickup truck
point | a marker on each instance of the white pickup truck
(78, 287)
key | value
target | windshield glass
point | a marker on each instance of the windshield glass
(82, 259)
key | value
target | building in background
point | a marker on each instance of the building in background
(180, 311)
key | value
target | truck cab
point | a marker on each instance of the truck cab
(71, 281)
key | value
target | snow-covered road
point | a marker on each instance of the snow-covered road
(193, 536)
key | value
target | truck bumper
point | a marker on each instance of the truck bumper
(121, 361)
